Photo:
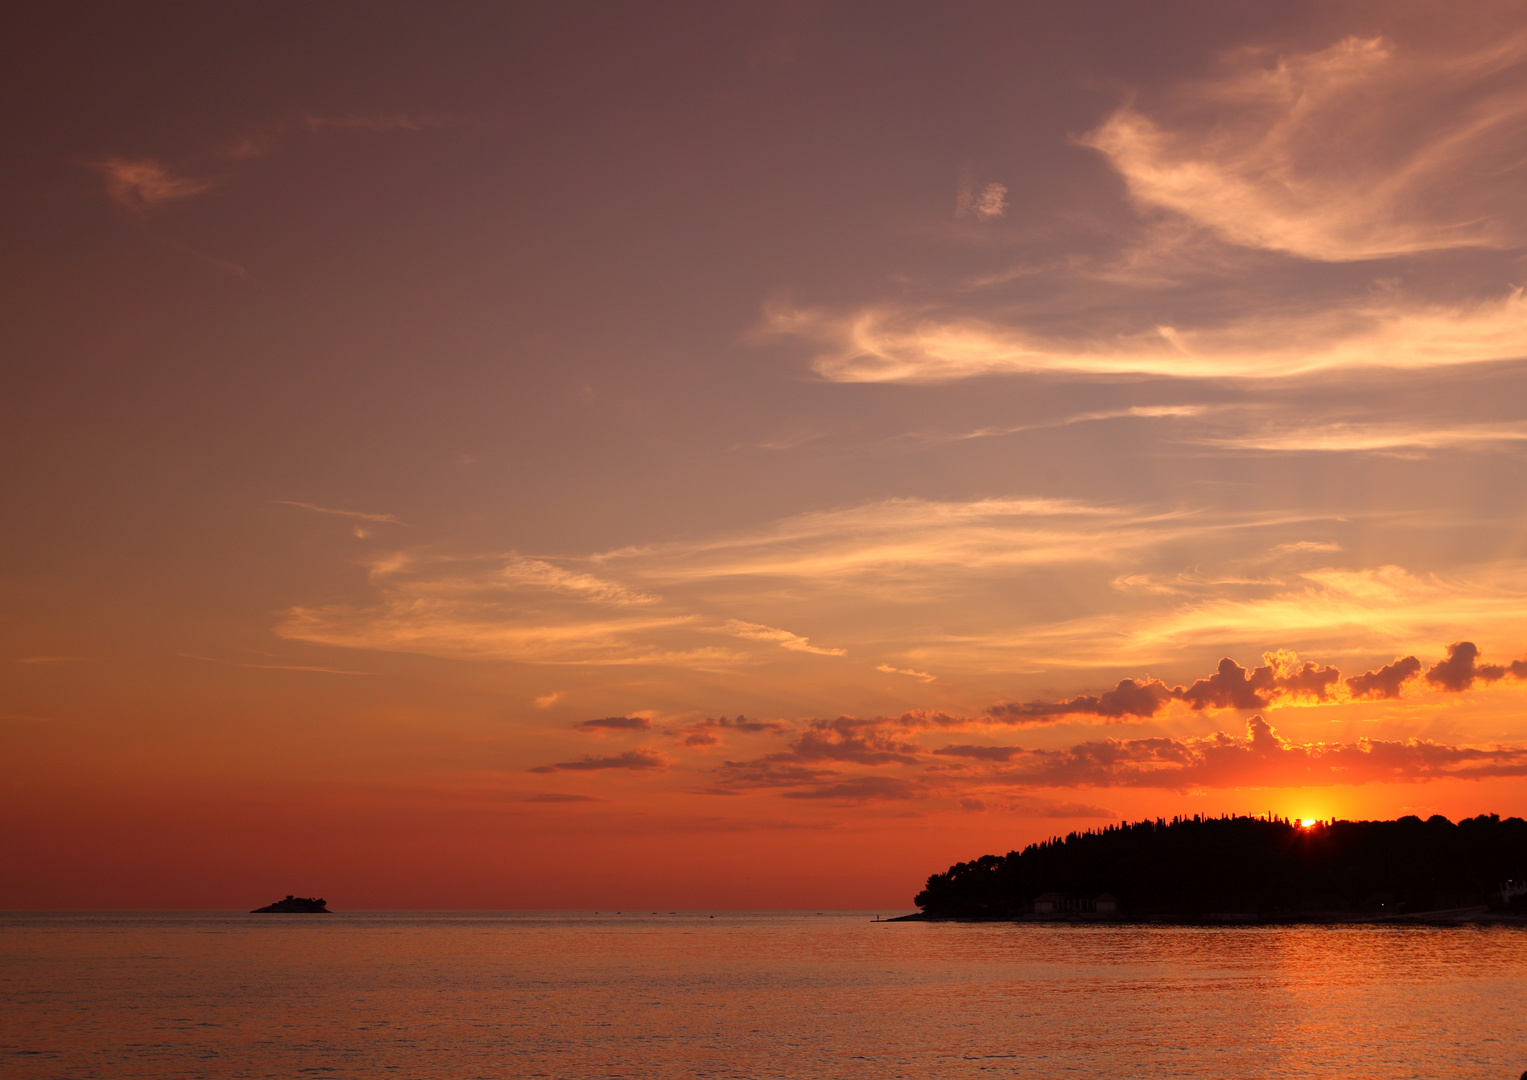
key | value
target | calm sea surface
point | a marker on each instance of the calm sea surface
(747, 995)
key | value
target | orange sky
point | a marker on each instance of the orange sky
(734, 457)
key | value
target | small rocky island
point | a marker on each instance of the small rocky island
(294, 905)
(1250, 869)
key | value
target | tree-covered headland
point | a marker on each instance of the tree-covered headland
(1265, 866)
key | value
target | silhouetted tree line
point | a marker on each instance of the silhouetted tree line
(1262, 865)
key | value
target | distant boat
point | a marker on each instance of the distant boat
(294, 905)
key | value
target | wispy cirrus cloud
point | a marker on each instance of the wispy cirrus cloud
(898, 536)
(1133, 412)
(913, 584)
(418, 619)
(317, 668)
(1385, 607)
(1366, 149)
(507, 607)
(1341, 436)
(537, 573)
(921, 676)
(783, 638)
(983, 201)
(141, 184)
(896, 342)
(358, 515)
(1287, 419)
(1360, 150)
(614, 608)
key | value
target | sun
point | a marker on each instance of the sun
(1307, 823)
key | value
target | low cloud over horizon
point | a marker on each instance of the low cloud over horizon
(812, 765)
(1280, 677)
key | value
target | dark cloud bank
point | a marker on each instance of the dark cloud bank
(639, 759)
(826, 759)
(616, 723)
(1280, 678)
(1258, 758)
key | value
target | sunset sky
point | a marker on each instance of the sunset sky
(746, 455)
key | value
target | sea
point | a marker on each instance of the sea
(799, 995)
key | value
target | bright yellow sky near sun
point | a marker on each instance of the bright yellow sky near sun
(749, 456)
